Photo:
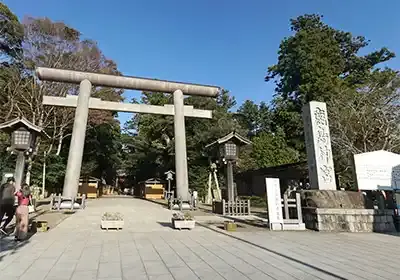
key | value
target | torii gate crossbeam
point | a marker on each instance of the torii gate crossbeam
(98, 104)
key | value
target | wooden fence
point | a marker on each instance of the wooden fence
(292, 209)
(232, 208)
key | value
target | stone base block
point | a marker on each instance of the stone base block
(275, 226)
(67, 204)
(334, 199)
(183, 224)
(287, 226)
(349, 220)
(300, 226)
(112, 224)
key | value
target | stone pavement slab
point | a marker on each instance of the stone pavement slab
(147, 248)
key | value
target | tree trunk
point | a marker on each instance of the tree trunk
(34, 152)
(50, 148)
(31, 160)
(59, 145)
(28, 171)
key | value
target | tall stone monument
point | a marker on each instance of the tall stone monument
(325, 207)
(318, 145)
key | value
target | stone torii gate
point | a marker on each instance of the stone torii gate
(84, 102)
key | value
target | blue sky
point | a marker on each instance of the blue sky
(229, 43)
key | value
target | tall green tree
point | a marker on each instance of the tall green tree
(11, 36)
(317, 59)
(44, 42)
(153, 136)
(152, 139)
(201, 132)
(271, 149)
(316, 63)
(55, 171)
(365, 120)
(319, 62)
(57, 45)
(101, 157)
(255, 118)
(5, 157)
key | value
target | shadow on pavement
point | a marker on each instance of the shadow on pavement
(40, 203)
(8, 246)
(253, 222)
(108, 196)
(162, 203)
(165, 224)
(277, 253)
(7, 242)
(389, 233)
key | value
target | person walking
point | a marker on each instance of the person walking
(195, 197)
(22, 213)
(7, 201)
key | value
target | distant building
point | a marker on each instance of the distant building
(252, 182)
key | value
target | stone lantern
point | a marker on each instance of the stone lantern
(170, 176)
(227, 150)
(23, 136)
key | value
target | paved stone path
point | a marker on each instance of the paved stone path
(147, 248)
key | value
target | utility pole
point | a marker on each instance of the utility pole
(44, 174)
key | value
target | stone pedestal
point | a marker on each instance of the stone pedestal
(344, 211)
(349, 220)
(183, 224)
(334, 199)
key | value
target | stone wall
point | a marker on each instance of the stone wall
(334, 199)
(348, 220)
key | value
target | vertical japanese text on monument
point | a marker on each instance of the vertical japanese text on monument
(323, 145)
(274, 200)
(309, 139)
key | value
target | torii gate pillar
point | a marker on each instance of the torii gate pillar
(75, 154)
(181, 168)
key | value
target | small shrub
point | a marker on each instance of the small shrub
(112, 216)
(182, 216)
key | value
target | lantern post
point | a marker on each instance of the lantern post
(227, 150)
(23, 137)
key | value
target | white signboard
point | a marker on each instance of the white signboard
(377, 170)
(275, 215)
